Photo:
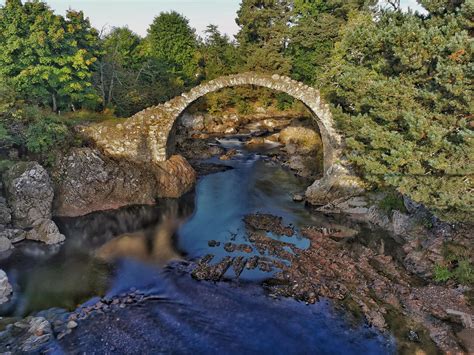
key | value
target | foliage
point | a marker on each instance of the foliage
(173, 42)
(315, 29)
(47, 57)
(392, 201)
(127, 78)
(5, 165)
(219, 55)
(6, 140)
(442, 273)
(402, 86)
(46, 134)
(457, 264)
(263, 35)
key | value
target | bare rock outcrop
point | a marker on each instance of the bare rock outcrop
(87, 181)
(29, 193)
(336, 183)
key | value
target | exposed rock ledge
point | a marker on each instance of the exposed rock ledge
(87, 181)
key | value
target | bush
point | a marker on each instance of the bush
(442, 273)
(392, 201)
(284, 101)
(5, 165)
(6, 140)
(244, 108)
(46, 136)
(457, 265)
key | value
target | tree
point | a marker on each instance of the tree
(315, 29)
(403, 90)
(47, 57)
(128, 78)
(263, 35)
(219, 54)
(173, 42)
(120, 55)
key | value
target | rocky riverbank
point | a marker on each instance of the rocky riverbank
(295, 138)
(389, 281)
(367, 279)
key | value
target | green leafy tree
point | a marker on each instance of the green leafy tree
(47, 57)
(219, 54)
(263, 35)
(315, 29)
(173, 42)
(128, 78)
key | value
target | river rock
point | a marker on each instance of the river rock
(336, 183)
(39, 333)
(29, 193)
(5, 244)
(304, 140)
(87, 181)
(45, 231)
(357, 205)
(14, 235)
(193, 122)
(401, 223)
(5, 287)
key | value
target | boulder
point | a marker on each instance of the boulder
(29, 193)
(86, 181)
(401, 223)
(193, 122)
(305, 140)
(5, 287)
(336, 183)
(14, 235)
(5, 244)
(45, 231)
(358, 205)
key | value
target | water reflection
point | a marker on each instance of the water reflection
(83, 267)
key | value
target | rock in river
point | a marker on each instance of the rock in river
(45, 231)
(5, 244)
(5, 287)
(30, 196)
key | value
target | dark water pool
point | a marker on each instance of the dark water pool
(115, 251)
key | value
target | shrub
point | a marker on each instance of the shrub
(46, 136)
(6, 140)
(284, 101)
(5, 165)
(392, 201)
(442, 273)
(244, 108)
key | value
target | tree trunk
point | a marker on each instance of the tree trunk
(55, 105)
(111, 88)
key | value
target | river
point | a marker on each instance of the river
(149, 249)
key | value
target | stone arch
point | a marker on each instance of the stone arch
(309, 96)
(144, 136)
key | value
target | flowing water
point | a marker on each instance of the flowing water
(112, 252)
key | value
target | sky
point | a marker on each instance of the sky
(138, 14)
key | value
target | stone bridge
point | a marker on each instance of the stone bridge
(146, 138)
